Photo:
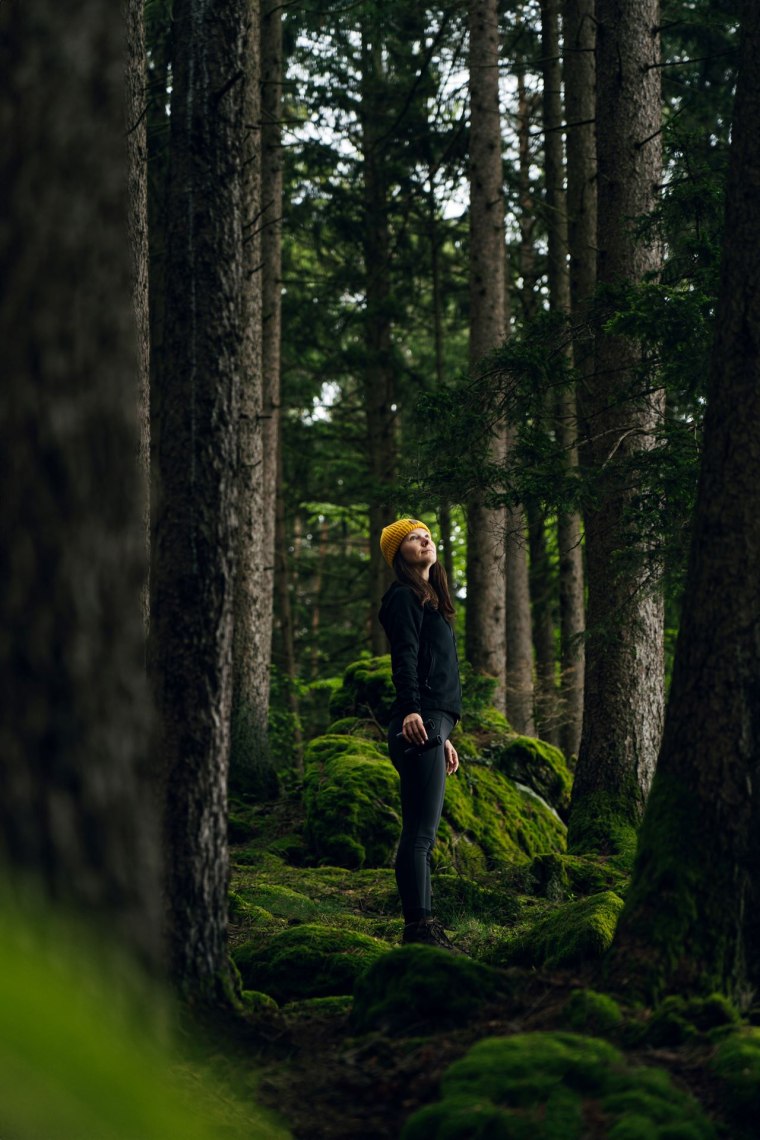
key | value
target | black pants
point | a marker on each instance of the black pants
(423, 781)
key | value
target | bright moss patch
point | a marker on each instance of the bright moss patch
(352, 802)
(307, 961)
(588, 1011)
(420, 985)
(571, 935)
(556, 1086)
(366, 690)
(538, 765)
(276, 900)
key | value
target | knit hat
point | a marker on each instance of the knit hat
(393, 535)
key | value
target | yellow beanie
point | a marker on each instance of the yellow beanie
(393, 535)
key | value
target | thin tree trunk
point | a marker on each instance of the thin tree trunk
(690, 924)
(137, 142)
(282, 582)
(485, 632)
(623, 708)
(195, 552)
(444, 511)
(542, 590)
(572, 615)
(520, 694)
(379, 384)
(77, 822)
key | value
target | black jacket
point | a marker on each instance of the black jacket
(423, 654)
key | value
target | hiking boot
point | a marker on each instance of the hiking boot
(430, 932)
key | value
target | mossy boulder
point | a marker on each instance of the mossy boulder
(307, 961)
(557, 877)
(274, 899)
(420, 985)
(539, 766)
(352, 802)
(677, 1020)
(356, 726)
(571, 935)
(588, 1011)
(737, 1065)
(546, 1086)
(488, 822)
(366, 690)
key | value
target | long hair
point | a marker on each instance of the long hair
(434, 592)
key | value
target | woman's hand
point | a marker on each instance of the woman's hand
(414, 729)
(452, 758)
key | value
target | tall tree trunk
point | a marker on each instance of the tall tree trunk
(485, 632)
(572, 609)
(196, 538)
(691, 921)
(282, 583)
(378, 374)
(519, 624)
(77, 825)
(137, 142)
(542, 593)
(251, 770)
(444, 511)
(623, 708)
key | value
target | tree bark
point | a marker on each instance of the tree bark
(196, 537)
(690, 924)
(485, 628)
(542, 593)
(571, 598)
(379, 386)
(77, 819)
(623, 708)
(137, 144)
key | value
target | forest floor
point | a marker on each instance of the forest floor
(326, 1081)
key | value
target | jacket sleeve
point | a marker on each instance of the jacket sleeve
(403, 624)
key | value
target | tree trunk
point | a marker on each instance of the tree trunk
(251, 770)
(282, 582)
(196, 538)
(77, 820)
(542, 591)
(622, 720)
(378, 373)
(137, 143)
(485, 632)
(572, 615)
(691, 923)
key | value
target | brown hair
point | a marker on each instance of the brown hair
(435, 591)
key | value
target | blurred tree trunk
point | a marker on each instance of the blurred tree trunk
(137, 144)
(379, 386)
(691, 920)
(283, 587)
(485, 632)
(569, 716)
(196, 535)
(251, 769)
(77, 819)
(623, 710)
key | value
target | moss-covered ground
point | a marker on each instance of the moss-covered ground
(359, 1036)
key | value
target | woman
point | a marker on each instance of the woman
(417, 616)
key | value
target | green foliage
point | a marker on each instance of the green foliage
(309, 960)
(74, 1063)
(737, 1064)
(366, 690)
(573, 934)
(537, 764)
(423, 985)
(678, 1020)
(556, 1086)
(351, 798)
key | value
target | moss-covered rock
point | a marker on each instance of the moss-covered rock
(678, 1019)
(307, 961)
(588, 1011)
(547, 1086)
(604, 824)
(274, 899)
(352, 802)
(488, 822)
(256, 1002)
(571, 935)
(557, 876)
(537, 764)
(357, 726)
(422, 985)
(455, 896)
(366, 690)
(737, 1065)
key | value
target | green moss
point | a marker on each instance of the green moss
(557, 876)
(590, 1012)
(455, 896)
(366, 690)
(239, 828)
(275, 900)
(307, 961)
(334, 1006)
(355, 726)
(677, 1020)
(420, 984)
(539, 765)
(255, 1001)
(737, 1065)
(556, 1086)
(604, 824)
(573, 934)
(352, 802)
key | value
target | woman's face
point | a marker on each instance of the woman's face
(418, 549)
